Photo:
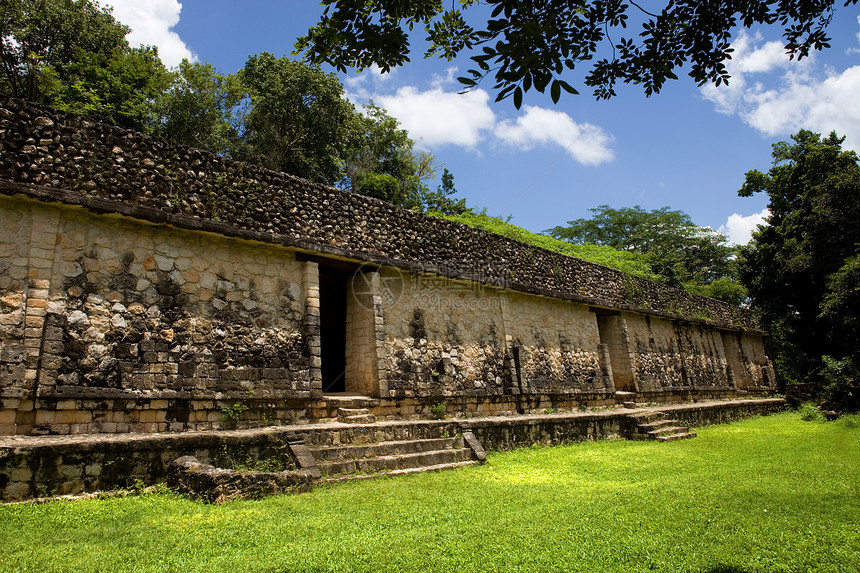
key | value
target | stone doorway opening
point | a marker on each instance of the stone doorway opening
(348, 329)
(333, 299)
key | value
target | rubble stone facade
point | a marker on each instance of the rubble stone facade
(146, 286)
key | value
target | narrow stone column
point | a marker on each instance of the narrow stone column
(379, 351)
(42, 332)
(509, 374)
(606, 365)
(362, 355)
(631, 353)
(311, 283)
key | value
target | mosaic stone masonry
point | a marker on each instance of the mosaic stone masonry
(146, 287)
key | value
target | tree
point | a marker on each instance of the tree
(441, 201)
(297, 120)
(73, 55)
(535, 44)
(380, 147)
(121, 90)
(801, 267)
(724, 289)
(678, 249)
(380, 185)
(200, 108)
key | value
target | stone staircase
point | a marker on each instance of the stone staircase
(382, 451)
(348, 408)
(657, 426)
(355, 416)
(626, 399)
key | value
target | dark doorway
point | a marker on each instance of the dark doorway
(333, 293)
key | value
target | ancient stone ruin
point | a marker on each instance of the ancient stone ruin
(149, 287)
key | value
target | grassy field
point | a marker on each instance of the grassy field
(768, 494)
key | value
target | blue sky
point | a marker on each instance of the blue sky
(546, 164)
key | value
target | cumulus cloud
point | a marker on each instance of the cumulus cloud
(442, 116)
(856, 50)
(151, 24)
(447, 79)
(822, 105)
(586, 143)
(778, 97)
(360, 86)
(747, 58)
(437, 117)
(739, 228)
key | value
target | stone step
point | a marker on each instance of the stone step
(679, 436)
(668, 430)
(352, 411)
(380, 432)
(404, 471)
(639, 417)
(355, 416)
(395, 462)
(359, 451)
(359, 419)
(350, 401)
(330, 405)
(657, 424)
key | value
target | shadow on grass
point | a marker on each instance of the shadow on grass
(726, 569)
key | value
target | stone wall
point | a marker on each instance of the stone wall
(112, 169)
(442, 337)
(446, 339)
(668, 354)
(148, 287)
(124, 311)
(555, 346)
(550, 430)
(59, 465)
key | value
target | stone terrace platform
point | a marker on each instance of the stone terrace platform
(43, 466)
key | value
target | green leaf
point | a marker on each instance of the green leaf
(566, 87)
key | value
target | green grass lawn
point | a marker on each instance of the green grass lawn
(768, 494)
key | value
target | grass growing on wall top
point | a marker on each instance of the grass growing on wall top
(631, 263)
(768, 494)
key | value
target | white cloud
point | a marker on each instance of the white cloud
(778, 97)
(586, 143)
(805, 102)
(758, 59)
(440, 81)
(855, 50)
(437, 117)
(739, 228)
(358, 85)
(747, 58)
(151, 22)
